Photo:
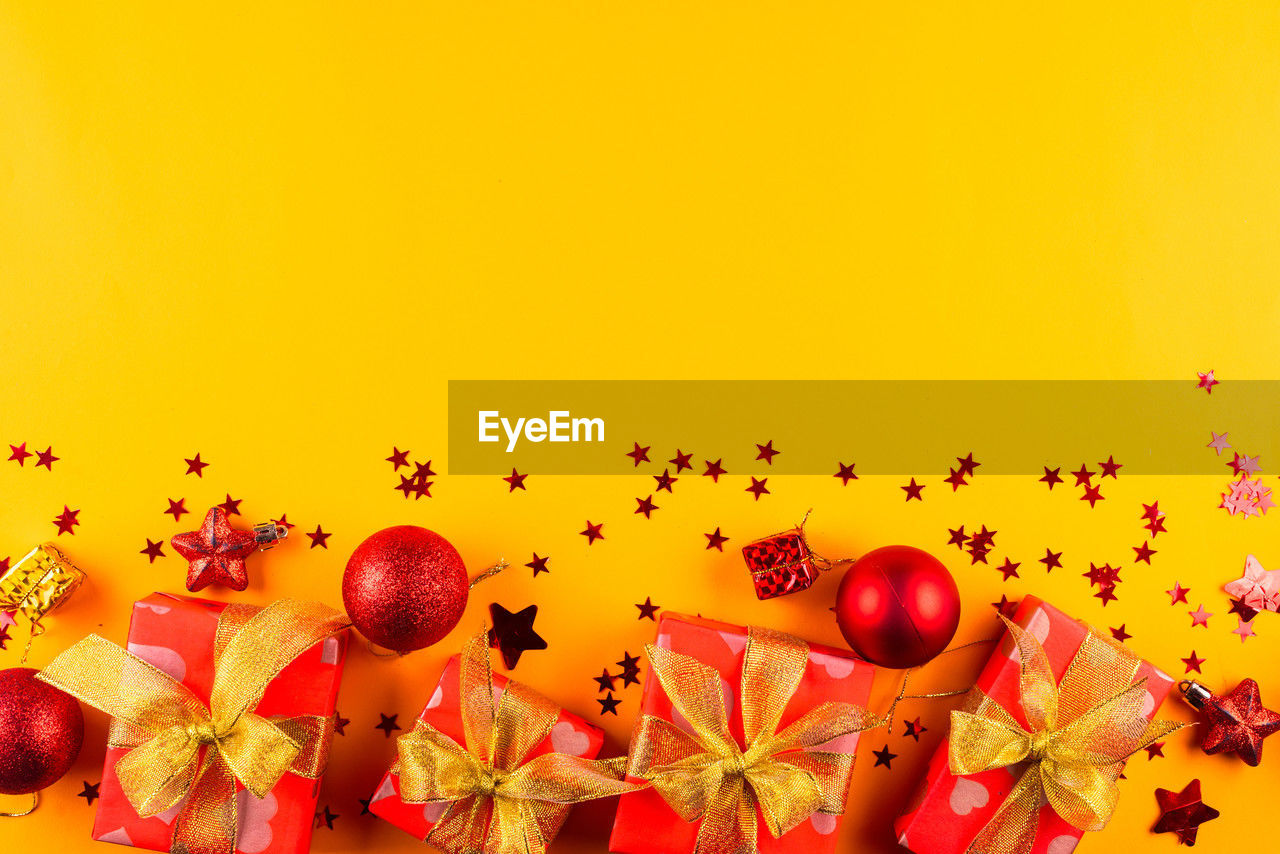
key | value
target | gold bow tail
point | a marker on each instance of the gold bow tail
(182, 751)
(706, 776)
(1078, 734)
(37, 584)
(498, 803)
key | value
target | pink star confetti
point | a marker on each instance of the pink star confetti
(1247, 497)
(1259, 588)
(1178, 594)
(1244, 464)
(1207, 381)
(1200, 617)
(1244, 628)
(1218, 442)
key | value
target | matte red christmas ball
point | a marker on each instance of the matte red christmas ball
(405, 588)
(41, 729)
(898, 606)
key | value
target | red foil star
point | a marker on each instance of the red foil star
(216, 553)
(1183, 812)
(1236, 722)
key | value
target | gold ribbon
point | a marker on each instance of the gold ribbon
(37, 584)
(498, 803)
(181, 751)
(706, 776)
(1079, 734)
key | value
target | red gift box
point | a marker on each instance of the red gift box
(645, 824)
(948, 811)
(780, 564)
(570, 735)
(176, 634)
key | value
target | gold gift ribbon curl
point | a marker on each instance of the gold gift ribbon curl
(707, 777)
(498, 803)
(182, 751)
(1080, 732)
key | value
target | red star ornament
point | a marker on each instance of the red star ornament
(1183, 812)
(216, 552)
(1235, 722)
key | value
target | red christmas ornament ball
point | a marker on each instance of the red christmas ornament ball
(41, 729)
(898, 606)
(405, 588)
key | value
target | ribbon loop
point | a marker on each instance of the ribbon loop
(784, 777)
(167, 729)
(498, 803)
(1078, 734)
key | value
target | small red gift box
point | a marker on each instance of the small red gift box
(948, 811)
(178, 635)
(646, 824)
(780, 564)
(570, 735)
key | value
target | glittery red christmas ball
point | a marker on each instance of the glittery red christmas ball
(405, 588)
(41, 729)
(898, 606)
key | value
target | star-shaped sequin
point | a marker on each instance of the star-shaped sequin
(646, 506)
(845, 473)
(1182, 813)
(515, 481)
(1120, 634)
(604, 681)
(681, 461)
(1143, 553)
(1207, 381)
(195, 466)
(215, 553)
(647, 610)
(1178, 594)
(913, 728)
(340, 723)
(955, 478)
(608, 704)
(913, 490)
(766, 452)
(1084, 477)
(153, 550)
(388, 724)
(758, 488)
(716, 540)
(19, 454)
(1092, 494)
(1109, 468)
(513, 633)
(638, 454)
(593, 531)
(89, 792)
(883, 757)
(319, 538)
(46, 458)
(1005, 606)
(1009, 569)
(1155, 750)
(231, 506)
(1052, 560)
(968, 465)
(1243, 629)
(538, 564)
(177, 509)
(713, 470)
(398, 458)
(67, 521)
(1219, 442)
(665, 480)
(1192, 662)
(1051, 477)
(1200, 617)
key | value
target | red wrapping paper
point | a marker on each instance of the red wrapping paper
(947, 812)
(571, 735)
(646, 825)
(176, 634)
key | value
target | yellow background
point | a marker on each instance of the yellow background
(271, 236)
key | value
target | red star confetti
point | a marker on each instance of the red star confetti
(968, 465)
(605, 680)
(4, 637)
(593, 532)
(19, 454)
(1247, 497)
(1152, 511)
(1107, 593)
(914, 729)
(713, 470)
(231, 506)
(422, 471)
(340, 723)
(1182, 813)
(664, 480)
(513, 633)
(645, 506)
(1218, 442)
(1156, 526)
(89, 792)
(681, 461)
(1109, 468)
(913, 490)
(538, 564)
(515, 481)
(1243, 629)
(647, 610)
(1155, 750)
(980, 544)
(153, 550)
(958, 537)
(398, 458)
(1102, 575)
(177, 509)
(758, 488)
(1051, 477)
(609, 705)
(638, 454)
(766, 452)
(1009, 569)
(1120, 634)
(407, 485)
(1200, 617)
(1245, 465)
(326, 818)
(1241, 610)
(883, 757)
(1178, 594)
(1207, 381)
(1084, 477)
(956, 479)
(716, 540)
(46, 458)
(1192, 662)
(1051, 560)
(1005, 606)
(1092, 494)
(388, 724)
(1143, 553)
(195, 466)
(319, 538)
(846, 473)
(67, 520)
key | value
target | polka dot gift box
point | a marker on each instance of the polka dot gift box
(950, 812)
(750, 704)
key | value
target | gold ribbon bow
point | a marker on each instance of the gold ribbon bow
(497, 802)
(167, 728)
(706, 776)
(37, 584)
(1079, 734)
